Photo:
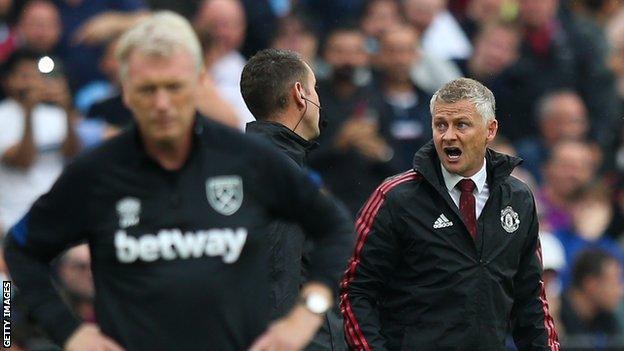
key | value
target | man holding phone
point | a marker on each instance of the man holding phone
(37, 133)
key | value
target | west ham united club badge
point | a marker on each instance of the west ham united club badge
(225, 193)
(128, 210)
(509, 219)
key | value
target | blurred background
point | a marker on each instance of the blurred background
(556, 68)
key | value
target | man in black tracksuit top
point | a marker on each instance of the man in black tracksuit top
(179, 244)
(290, 127)
(425, 275)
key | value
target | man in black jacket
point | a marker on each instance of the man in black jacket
(448, 256)
(176, 212)
(279, 89)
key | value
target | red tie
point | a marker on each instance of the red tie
(467, 205)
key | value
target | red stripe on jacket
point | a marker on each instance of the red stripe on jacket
(549, 324)
(365, 220)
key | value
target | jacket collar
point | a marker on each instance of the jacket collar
(296, 147)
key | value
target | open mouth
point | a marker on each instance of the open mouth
(453, 153)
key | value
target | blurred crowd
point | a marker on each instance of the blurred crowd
(556, 68)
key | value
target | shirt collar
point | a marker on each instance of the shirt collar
(451, 179)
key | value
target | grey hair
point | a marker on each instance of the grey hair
(161, 34)
(467, 89)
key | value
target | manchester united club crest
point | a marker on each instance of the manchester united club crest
(510, 219)
(225, 193)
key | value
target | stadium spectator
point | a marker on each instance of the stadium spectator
(570, 167)
(87, 24)
(74, 273)
(562, 115)
(263, 20)
(440, 34)
(478, 13)
(376, 17)
(588, 307)
(496, 50)
(405, 102)
(8, 41)
(37, 134)
(422, 258)
(556, 54)
(39, 27)
(591, 213)
(295, 34)
(107, 116)
(354, 154)
(221, 25)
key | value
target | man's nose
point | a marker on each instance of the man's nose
(162, 100)
(449, 134)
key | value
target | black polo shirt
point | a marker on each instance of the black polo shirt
(178, 257)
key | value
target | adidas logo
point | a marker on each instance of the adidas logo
(442, 222)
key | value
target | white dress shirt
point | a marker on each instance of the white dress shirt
(481, 192)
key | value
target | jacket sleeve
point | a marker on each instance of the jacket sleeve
(54, 223)
(291, 194)
(533, 327)
(376, 254)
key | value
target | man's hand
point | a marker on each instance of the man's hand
(106, 26)
(57, 92)
(353, 131)
(363, 135)
(296, 330)
(88, 337)
(33, 95)
(375, 148)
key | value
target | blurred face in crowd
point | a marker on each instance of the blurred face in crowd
(606, 290)
(23, 77)
(225, 21)
(309, 126)
(380, 15)
(420, 13)
(40, 26)
(344, 52)
(75, 272)
(160, 92)
(538, 13)
(293, 35)
(398, 53)
(496, 48)
(566, 118)
(461, 136)
(571, 166)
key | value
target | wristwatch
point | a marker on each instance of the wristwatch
(315, 303)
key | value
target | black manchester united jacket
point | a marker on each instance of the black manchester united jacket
(418, 281)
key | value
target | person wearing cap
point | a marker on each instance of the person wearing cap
(448, 255)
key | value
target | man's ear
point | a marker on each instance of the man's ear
(298, 94)
(492, 129)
